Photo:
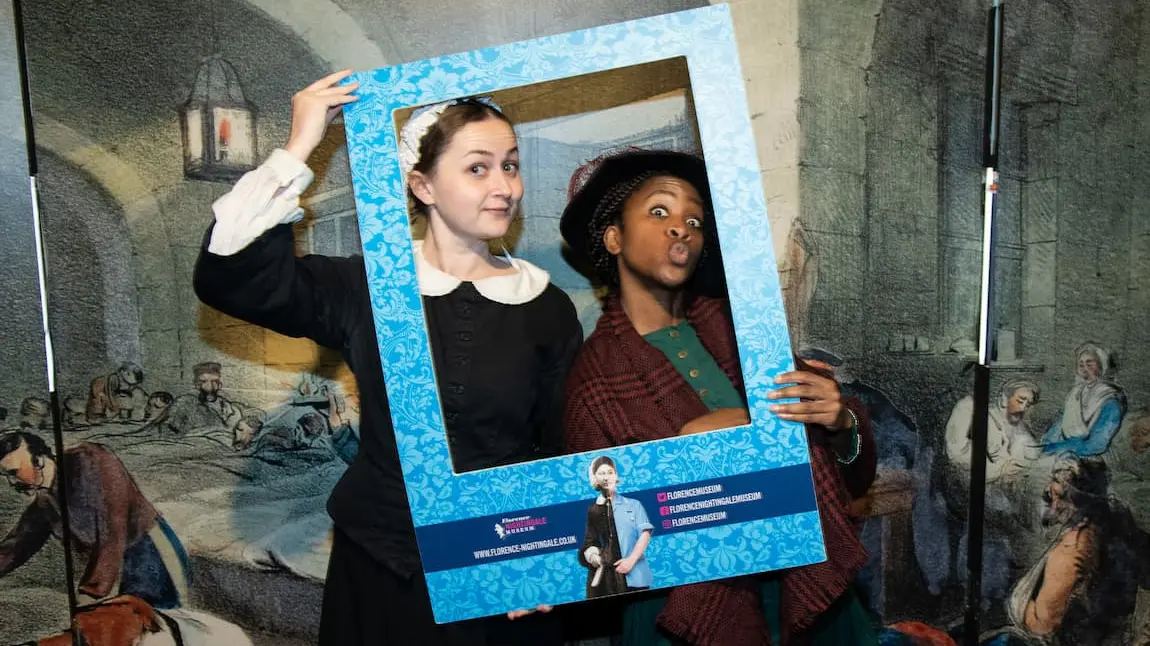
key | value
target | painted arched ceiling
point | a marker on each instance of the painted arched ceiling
(409, 30)
(117, 72)
(132, 63)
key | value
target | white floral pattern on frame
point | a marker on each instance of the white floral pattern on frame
(437, 495)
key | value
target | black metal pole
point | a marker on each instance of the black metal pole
(61, 479)
(986, 327)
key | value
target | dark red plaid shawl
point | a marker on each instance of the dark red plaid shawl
(623, 390)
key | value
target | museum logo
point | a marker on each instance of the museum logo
(518, 525)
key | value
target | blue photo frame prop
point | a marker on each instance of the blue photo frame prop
(722, 504)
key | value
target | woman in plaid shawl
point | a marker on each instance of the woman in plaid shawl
(662, 361)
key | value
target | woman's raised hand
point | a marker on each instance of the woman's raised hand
(313, 109)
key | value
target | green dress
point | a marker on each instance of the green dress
(845, 623)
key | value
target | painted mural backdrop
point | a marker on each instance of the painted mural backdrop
(200, 450)
(38, 590)
(220, 440)
(891, 115)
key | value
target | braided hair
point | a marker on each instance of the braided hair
(609, 212)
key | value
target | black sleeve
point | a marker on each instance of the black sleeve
(860, 474)
(547, 412)
(265, 284)
(590, 537)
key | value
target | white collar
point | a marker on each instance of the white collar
(527, 283)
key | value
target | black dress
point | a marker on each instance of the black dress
(601, 534)
(501, 371)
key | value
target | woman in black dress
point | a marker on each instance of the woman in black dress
(502, 338)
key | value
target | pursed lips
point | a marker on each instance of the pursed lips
(679, 252)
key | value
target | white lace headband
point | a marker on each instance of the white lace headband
(412, 133)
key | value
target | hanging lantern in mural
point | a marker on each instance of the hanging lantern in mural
(218, 124)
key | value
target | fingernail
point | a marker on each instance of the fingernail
(774, 408)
